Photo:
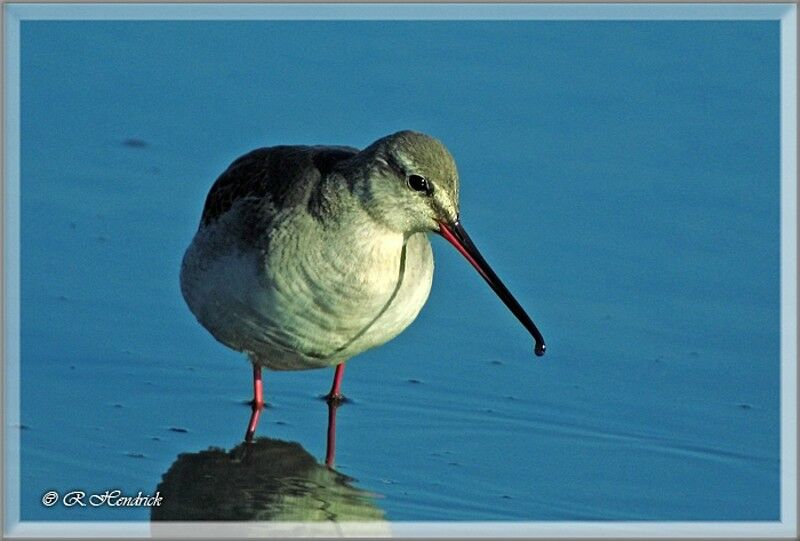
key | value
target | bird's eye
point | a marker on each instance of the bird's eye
(419, 184)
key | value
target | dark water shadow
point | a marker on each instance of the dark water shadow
(265, 480)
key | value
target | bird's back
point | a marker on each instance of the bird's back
(281, 174)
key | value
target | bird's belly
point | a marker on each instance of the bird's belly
(301, 306)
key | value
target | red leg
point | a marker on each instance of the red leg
(258, 403)
(335, 395)
(330, 454)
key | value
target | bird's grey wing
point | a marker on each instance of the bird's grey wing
(281, 175)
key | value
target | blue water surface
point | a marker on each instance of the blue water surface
(621, 177)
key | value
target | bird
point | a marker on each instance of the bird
(306, 256)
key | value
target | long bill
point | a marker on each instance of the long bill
(457, 236)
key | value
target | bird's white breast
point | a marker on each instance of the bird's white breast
(314, 296)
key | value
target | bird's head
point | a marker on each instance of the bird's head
(409, 182)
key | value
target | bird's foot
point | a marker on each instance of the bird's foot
(334, 399)
(257, 406)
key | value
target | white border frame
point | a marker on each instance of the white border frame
(786, 13)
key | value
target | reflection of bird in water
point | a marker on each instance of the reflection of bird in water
(265, 480)
(307, 256)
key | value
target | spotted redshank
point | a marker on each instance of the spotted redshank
(309, 255)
